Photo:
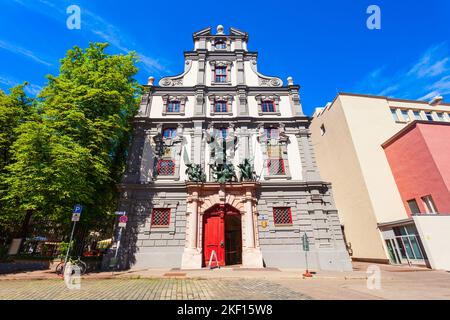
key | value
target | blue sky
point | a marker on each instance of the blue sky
(324, 45)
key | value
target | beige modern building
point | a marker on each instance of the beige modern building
(348, 135)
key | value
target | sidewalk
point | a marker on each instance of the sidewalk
(359, 273)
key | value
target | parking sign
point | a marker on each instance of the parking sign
(77, 209)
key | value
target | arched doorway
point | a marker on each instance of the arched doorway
(222, 233)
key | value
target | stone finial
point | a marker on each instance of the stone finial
(220, 29)
(290, 81)
(150, 81)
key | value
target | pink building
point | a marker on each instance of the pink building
(419, 157)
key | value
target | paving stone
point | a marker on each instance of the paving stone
(151, 289)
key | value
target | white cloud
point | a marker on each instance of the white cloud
(24, 52)
(98, 26)
(9, 82)
(433, 63)
(426, 78)
(439, 88)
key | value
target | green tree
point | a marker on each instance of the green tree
(15, 108)
(74, 149)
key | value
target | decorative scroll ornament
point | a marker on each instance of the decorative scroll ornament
(176, 81)
(266, 81)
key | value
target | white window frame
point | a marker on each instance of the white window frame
(429, 204)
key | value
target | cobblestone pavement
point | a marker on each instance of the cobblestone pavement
(149, 289)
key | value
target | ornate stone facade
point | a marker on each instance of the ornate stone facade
(221, 113)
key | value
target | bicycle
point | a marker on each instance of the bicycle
(77, 262)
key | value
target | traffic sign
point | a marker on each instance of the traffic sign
(77, 209)
(120, 213)
(76, 217)
(122, 224)
(123, 219)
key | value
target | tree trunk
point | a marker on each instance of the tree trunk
(26, 222)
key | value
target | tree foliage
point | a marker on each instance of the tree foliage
(72, 149)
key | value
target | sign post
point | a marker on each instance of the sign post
(306, 249)
(76, 213)
(122, 224)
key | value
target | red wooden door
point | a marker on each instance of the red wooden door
(214, 238)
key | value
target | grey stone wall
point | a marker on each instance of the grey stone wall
(313, 213)
(144, 246)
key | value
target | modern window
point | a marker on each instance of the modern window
(413, 206)
(161, 217)
(268, 106)
(417, 115)
(173, 106)
(394, 115)
(169, 133)
(282, 216)
(409, 242)
(322, 129)
(405, 116)
(165, 167)
(221, 74)
(429, 116)
(440, 116)
(429, 204)
(220, 106)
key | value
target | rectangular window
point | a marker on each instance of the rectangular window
(405, 116)
(268, 106)
(221, 45)
(440, 116)
(275, 167)
(417, 115)
(429, 116)
(221, 74)
(394, 115)
(282, 216)
(429, 204)
(161, 217)
(220, 106)
(273, 152)
(173, 106)
(165, 167)
(413, 207)
(223, 132)
(169, 133)
(271, 133)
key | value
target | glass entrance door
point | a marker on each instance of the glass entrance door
(409, 245)
(394, 255)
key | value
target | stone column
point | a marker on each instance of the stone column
(251, 254)
(192, 255)
(249, 223)
(193, 222)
